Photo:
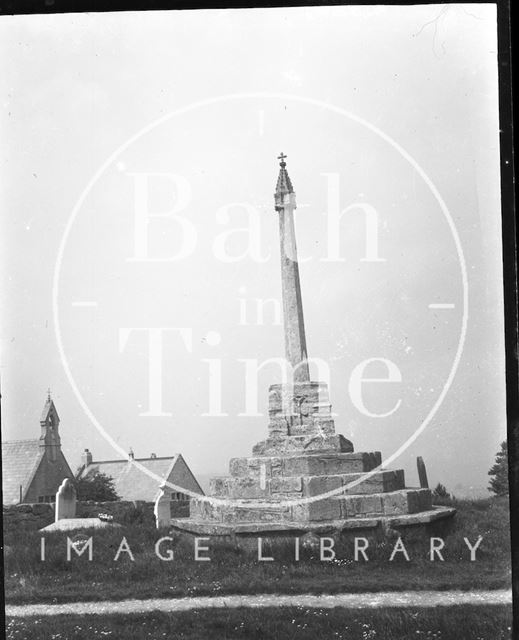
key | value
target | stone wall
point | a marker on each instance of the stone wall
(31, 517)
(123, 511)
(27, 517)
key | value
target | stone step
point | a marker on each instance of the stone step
(320, 464)
(303, 486)
(230, 513)
(394, 503)
(380, 482)
(310, 441)
(402, 502)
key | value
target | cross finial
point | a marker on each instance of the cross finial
(282, 157)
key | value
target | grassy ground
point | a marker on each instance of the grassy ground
(456, 623)
(233, 570)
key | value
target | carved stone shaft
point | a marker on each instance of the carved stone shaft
(295, 340)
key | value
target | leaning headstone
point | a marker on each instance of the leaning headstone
(162, 509)
(422, 473)
(66, 501)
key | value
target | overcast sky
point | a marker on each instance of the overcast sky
(93, 102)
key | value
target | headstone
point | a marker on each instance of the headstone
(66, 500)
(162, 509)
(422, 473)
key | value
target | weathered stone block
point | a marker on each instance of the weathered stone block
(287, 398)
(419, 500)
(218, 486)
(300, 444)
(328, 464)
(407, 501)
(286, 485)
(376, 459)
(360, 506)
(238, 466)
(254, 514)
(248, 467)
(203, 510)
(381, 482)
(279, 426)
(300, 409)
(395, 503)
(317, 485)
(246, 488)
(326, 509)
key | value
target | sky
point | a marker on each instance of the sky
(139, 160)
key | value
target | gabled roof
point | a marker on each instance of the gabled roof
(20, 460)
(130, 482)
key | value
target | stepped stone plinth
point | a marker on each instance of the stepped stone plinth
(303, 458)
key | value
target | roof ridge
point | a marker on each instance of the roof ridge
(135, 459)
(22, 440)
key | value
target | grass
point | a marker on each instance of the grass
(235, 570)
(290, 623)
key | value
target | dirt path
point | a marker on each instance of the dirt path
(347, 600)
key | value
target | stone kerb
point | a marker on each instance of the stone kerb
(66, 500)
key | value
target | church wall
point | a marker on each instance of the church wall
(48, 478)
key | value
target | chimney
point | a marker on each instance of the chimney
(153, 455)
(131, 455)
(86, 458)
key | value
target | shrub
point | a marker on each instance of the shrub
(96, 486)
(499, 472)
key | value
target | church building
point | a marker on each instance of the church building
(32, 470)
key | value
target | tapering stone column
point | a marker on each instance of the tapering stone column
(295, 340)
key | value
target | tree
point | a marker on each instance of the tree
(499, 472)
(441, 492)
(96, 486)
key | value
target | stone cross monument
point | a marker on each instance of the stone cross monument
(277, 489)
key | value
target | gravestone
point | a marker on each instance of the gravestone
(278, 488)
(422, 473)
(66, 500)
(162, 509)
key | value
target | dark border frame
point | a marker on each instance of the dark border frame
(508, 212)
(510, 284)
